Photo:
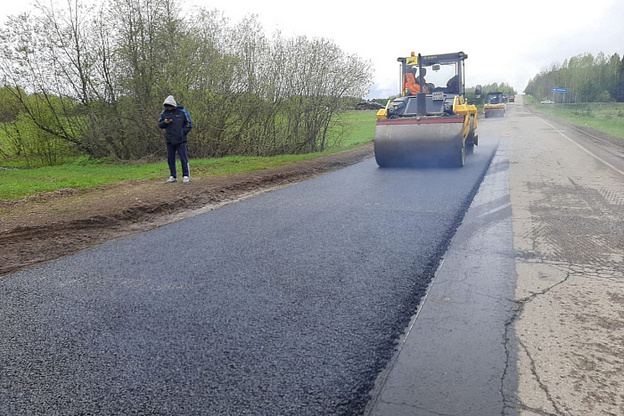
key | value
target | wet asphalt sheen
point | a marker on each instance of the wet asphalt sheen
(288, 303)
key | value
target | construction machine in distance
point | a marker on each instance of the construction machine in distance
(495, 105)
(431, 123)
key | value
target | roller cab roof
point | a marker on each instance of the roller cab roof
(427, 60)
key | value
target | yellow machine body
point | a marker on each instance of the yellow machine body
(495, 105)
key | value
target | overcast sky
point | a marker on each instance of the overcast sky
(506, 41)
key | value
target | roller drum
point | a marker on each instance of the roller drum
(494, 112)
(409, 144)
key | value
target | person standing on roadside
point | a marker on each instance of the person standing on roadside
(176, 121)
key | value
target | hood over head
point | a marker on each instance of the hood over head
(170, 101)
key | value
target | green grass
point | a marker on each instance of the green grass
(606, 117)
(355, 127)
(18, 183)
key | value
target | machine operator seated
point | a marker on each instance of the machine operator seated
(411, 82)
(452, 86)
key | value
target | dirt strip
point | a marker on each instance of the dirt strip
(52, 225)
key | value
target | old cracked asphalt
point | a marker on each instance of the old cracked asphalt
(568, 218)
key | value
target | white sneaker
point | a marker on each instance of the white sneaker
(171, 180)
(186, 179)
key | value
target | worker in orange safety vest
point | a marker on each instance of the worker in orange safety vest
(412, 87)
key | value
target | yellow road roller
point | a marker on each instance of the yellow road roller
(495, 105)
(430, 122)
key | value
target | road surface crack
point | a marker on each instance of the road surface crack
(514, 402)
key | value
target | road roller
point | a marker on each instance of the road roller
(430, 122)
(495, 105)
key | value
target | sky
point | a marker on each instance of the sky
(506, 41)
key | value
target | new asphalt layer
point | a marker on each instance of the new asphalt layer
(287, 303)
(458, 356)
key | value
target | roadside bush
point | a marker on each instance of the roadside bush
(36, 146)
(9, 106)
(605, 97)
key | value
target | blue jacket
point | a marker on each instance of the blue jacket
(177, 130)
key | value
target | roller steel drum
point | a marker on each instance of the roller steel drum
(494, 112)
(420, 142)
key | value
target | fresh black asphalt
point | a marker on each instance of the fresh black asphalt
(289, 303)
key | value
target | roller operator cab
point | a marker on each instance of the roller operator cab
(430, 122)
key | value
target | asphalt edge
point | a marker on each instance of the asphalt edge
(509, 381)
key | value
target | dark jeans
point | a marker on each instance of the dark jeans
(171, 158)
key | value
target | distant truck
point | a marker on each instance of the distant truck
(512, 98)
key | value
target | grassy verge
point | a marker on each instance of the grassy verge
(353, 129)
(606, 117)
(17, 183)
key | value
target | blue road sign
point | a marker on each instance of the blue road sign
(559, 90)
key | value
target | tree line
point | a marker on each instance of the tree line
(587, 79)
(93, 77)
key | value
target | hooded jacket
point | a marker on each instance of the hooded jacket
(176, 131)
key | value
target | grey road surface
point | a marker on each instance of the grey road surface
(288, 303)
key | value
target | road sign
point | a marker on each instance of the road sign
(559, 90)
